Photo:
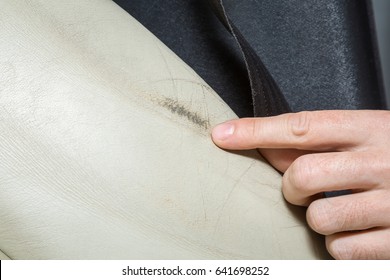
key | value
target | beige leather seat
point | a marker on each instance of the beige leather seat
(105, 150)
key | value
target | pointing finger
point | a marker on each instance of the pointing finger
(318, 130)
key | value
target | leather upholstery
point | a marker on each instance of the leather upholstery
(105, 150)
(3, 256)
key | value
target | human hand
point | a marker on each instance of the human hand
(326, 151)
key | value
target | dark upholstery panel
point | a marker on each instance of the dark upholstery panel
(322, 54)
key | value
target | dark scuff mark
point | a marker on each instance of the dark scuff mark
(179, 109)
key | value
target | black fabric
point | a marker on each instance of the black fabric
(191, 29)
(320, 53)
(266, 96)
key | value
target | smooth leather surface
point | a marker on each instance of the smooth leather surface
(105, 150)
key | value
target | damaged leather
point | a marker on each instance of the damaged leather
(105, 150)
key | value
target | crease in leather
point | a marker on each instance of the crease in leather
(3, 254)
(268, 100)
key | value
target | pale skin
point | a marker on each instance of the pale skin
(325, 151)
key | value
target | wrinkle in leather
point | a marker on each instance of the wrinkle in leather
(3, 256)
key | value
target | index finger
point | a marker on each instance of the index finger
(317, 131)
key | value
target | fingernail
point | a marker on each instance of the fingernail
(223, 131)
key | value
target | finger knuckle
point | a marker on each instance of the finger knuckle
(361, 252)
(339, 249)
(319, 218)
(301, 174)
(299, 126)
(347, 246)
(343, 250)
(252, 129)
(353, 213)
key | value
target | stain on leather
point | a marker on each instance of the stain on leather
(179, 109)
